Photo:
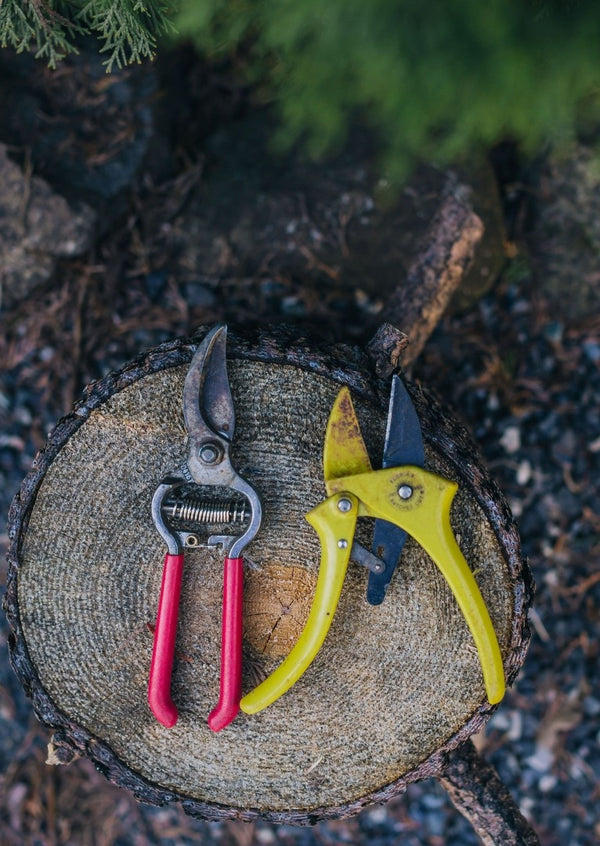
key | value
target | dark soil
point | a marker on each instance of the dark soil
(192, 229)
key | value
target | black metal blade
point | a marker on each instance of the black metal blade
(403, 445)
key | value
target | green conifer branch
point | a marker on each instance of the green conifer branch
(434, 79)
(128, 29)
(37, 24)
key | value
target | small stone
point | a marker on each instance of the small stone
(493, 401)
(293, 306)
(377, 815)
(541, 760)
(550, 576)
(365, 303)
(432, 801)
(511, 439)
(524, 471)
(526, 806)
(516, 506)
(516, 726)
(265, 835)
(591, 706)
(500, 721)
(554, 331)
(592, 350)
(547, 783)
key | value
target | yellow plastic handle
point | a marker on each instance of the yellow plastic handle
(334, 520)
(419, 502)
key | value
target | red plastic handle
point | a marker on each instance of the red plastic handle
(231, 646)
(165, 633)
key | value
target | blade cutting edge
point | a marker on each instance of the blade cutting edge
(403, 445)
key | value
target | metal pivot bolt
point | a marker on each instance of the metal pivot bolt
(405, 491)
(210, 453)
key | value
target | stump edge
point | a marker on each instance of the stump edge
(347, 365)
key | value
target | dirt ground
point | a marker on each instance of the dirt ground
(178, 214)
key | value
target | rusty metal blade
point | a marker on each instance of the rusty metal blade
(207, 401)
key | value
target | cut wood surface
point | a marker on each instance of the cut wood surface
(394, 688)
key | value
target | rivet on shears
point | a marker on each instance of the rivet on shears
(210, 454)
(342, 544)
(344, 505)
(405, 491)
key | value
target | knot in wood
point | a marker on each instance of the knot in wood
(276, 606)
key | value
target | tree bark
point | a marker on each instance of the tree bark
(394, 689)
(480, 796)
(420, 300)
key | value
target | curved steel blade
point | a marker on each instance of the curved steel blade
(207, 401)
(403, 445)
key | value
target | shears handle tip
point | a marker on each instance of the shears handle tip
(493, 674)
(163, 650)
(497, 696)
(231, 646)
(222, 715)
(163, 709)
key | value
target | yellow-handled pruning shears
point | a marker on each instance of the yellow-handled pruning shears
(404, 498)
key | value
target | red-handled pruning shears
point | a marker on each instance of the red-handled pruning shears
(209, 418)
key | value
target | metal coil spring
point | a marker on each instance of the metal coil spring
(193, 509)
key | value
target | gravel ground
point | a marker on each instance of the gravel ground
(525, 382)
(528, 387)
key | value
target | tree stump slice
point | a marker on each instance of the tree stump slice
(395, 687)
